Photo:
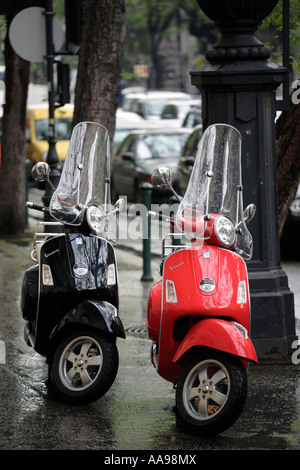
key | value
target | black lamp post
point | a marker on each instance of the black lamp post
(52, 157)
(238, 87)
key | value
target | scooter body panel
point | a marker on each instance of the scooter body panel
(97, 314)
(179, 320)
(78, 266)
(217, 334)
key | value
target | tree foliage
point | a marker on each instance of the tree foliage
(150, 21)
(274, 22)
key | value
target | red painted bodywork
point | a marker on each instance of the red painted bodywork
(204, 317)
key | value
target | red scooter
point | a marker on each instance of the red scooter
(199, 313)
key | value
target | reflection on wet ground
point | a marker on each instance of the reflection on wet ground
(138, 411)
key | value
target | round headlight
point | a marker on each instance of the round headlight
(225, 231)
(95, 218)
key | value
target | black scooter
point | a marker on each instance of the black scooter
(70, 296)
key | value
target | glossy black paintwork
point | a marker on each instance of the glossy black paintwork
(72, 298)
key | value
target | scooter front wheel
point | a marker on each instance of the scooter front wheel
(84, 366)
(211, 393)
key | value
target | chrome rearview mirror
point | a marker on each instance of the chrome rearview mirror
(249, 212)
(119, 205)
(40, 171)
(161, 176)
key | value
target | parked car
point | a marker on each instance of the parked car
(149, 105)
(186, 161)
(175, 111)
(127, 121)
(36, 131)
(138, 156)
(193, 117)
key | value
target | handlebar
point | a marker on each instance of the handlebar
(37, 207)
(160, 216)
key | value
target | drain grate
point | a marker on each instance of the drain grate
(139, 331)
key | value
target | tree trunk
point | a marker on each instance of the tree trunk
(12, 172)
(288, 160)
(100, 62)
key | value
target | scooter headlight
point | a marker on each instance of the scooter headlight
(95, 218)
(225, 231)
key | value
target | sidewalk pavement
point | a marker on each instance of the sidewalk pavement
(271, 419)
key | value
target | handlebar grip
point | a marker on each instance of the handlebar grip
(37, 207)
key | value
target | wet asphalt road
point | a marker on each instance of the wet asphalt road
(137, 413)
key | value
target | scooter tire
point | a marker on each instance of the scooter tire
(84, 367)
(211, 393)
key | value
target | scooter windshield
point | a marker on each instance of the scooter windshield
(215, 187)
(84, 176)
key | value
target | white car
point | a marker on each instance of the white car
(149, 105)
(127, 121)
(175, 111)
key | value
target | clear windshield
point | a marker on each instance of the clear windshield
(215, 186)
(85, 175)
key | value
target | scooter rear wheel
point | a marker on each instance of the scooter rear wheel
(211, 393)
(84, 366)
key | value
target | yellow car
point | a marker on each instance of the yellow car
(37, 119)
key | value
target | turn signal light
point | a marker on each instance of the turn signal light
(170, 292)
(111, 275)
(242, 293)
(47, 275)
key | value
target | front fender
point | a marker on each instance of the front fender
(98, 314)
(217, 334)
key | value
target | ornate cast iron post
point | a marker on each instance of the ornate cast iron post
(238, 87)
(52, 157)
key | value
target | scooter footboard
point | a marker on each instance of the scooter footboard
(218, 334)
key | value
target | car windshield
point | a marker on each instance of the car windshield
(119, 136)
(154, 106)
(160, 145)
(63, 128)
